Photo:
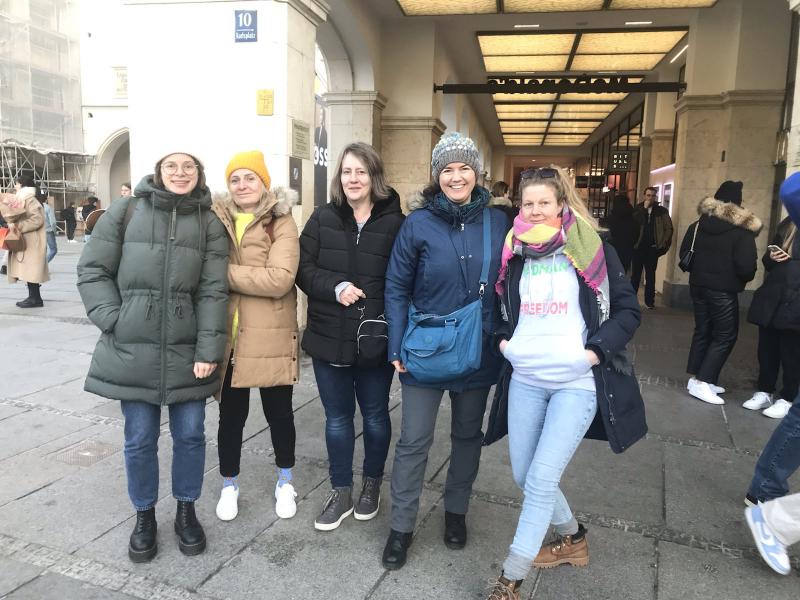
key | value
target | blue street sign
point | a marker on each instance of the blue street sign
(246, 26)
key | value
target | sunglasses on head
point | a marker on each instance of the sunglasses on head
(541, 173)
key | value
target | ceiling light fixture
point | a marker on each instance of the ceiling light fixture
(526, 26)
(638, 22)
(681, 51)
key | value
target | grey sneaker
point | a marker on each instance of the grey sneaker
(338, 506)
(369, 501)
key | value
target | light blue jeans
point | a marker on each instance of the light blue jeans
(545, 428)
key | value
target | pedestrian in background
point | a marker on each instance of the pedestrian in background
(70, 221)
(90, 205)
(27, 217)
(775, 308)
(262, 349)
(436, 267)
(724, 261)
(653, 241)
(50, 227)
(623, 229)
(344, 250)
(568, 312)
(125, 190)
(155, 282)
(500, 199)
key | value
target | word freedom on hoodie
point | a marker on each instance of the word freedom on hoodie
(544, 308)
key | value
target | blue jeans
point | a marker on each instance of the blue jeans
(142, 428)
(780, 458)
(545, 428)
(52, 247)
(339, 389)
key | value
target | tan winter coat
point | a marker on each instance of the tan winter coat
(30, 266)
(261, 276)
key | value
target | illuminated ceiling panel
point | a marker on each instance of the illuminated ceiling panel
(616, 62)
(629, 42)
(524, 108)
(525, 64)
(534, 127)
(525, 6)
(641, 4)
(525, 115)
(575, 110)
(523, 97)
(611, 97)
(523, 141)
(450, 7)
(567, 128)
(531, 44)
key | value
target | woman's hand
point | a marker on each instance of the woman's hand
(592, 358)
(399, 366)
(502, 345)
(350, 295)
(778, 256)
(203, 369)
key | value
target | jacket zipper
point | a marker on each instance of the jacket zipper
(165, 308)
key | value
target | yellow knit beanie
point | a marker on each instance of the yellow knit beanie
(253, 160)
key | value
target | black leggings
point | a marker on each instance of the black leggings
(234, 407)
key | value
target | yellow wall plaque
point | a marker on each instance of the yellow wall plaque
(265, 102)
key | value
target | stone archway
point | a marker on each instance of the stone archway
(113, 165)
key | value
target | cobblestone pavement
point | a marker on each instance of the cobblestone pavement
(665, 519)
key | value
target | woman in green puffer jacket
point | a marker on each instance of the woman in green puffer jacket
(154, 281)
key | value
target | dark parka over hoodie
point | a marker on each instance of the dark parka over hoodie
(329, 256)
(159, 296)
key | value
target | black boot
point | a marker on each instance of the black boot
(143, 546)
(394, 554)
(34, 299)
(191, 537)
(455, 530)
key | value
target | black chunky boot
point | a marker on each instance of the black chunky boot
(143, 546)
(396, 550)
(191, 537)
(455, 530)
(34, 299)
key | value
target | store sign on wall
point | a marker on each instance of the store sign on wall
(246, 26)
(619, 161)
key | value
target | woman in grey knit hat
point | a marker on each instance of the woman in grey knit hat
(436, 266)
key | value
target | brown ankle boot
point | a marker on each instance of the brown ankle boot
(565, 550)
(505, 590)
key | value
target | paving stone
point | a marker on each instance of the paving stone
(621, 565)
(433, 571)
(14, 574)
(692, 573)
(68, 396)
(27, 370)
(57, 587)
(10, 411)
(672, 412)
(23, 474)
(750, 429)
(293, 561)
(31, 429)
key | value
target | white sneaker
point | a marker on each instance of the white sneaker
(702, 391)
(714, 388)
(228, 505)
(759, 401)
(778, 410)
(285, 505)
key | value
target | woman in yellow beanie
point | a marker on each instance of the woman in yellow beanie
(262, 349)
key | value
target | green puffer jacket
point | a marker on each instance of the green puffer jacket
(160, 297)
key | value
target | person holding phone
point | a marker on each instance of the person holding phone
(777, 313)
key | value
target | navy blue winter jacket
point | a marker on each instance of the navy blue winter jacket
(436, 264)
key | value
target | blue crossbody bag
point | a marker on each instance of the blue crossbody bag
(440, 348)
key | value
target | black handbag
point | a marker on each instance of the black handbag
(685, 263)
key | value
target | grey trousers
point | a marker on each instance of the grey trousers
(420, 407)
(783, 517)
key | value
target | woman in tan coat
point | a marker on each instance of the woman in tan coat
(30, 265)
(262, 324)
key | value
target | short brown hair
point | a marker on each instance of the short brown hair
(372, 161)
(499, 189)
(201, 172)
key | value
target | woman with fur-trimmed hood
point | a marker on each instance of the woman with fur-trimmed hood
(725, 259)
(262, 349)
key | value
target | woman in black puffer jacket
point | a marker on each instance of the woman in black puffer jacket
(724, 261)
(344, 252)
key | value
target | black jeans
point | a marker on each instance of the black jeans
(778, 348)
(646, 259)
(234, 407)
(716, 327)
(71, 229)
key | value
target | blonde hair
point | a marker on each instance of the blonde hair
(788, 241)
(563, 189)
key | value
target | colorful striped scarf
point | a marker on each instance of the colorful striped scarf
(582, 246)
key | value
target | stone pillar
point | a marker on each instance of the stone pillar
(355, 117)
(793, 152)
(407, 146)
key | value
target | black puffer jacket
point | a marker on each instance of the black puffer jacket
(777, 302)
(620, 417)
(327, 259)
(725, 257)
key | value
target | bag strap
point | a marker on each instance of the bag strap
(694, 237)
(487, 249)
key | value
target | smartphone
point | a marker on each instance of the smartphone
(774, 248)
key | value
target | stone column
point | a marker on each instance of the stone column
(793, 152)
(407, 146)
(355, 117)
